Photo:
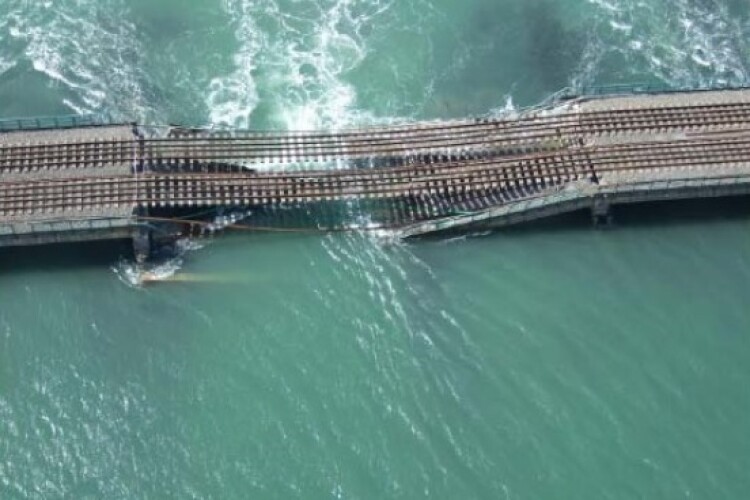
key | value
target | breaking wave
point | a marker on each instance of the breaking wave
(93, 58)
(295, 61)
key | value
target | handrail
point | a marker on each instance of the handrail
(638, 88)
(54, 122)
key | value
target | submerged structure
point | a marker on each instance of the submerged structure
(83, 178)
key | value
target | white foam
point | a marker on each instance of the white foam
(136, 275)
(7, 57)
(620, 26)
(231, 99)
(303, 58)
(507, 110)
(91, 60)
(5, 65)
(704, 47)
(611, 6)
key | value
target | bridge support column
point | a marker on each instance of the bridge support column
(141, 241)
(601, 212)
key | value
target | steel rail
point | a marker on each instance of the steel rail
(223, 143)
(520, 118)
(603, 155)
(403, 187)
(104, 157)
(107, 157)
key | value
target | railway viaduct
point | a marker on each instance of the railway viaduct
(75, 179)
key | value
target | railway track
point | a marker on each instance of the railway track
(392, 175)
(402, 193)
(426, 144)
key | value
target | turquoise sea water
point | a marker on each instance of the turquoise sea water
(552, 362)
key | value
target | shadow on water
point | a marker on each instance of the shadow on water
(553, 49)
(684, 212)
(527, 49)
(61, 257)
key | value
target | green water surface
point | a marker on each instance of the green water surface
(551, 362)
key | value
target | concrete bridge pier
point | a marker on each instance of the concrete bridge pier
(601, 211)
(142, 238)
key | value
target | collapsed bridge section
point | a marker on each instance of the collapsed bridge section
(105, 181)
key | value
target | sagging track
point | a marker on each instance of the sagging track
(395, 176)
(464, 185)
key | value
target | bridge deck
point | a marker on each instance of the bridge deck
(92, 181)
